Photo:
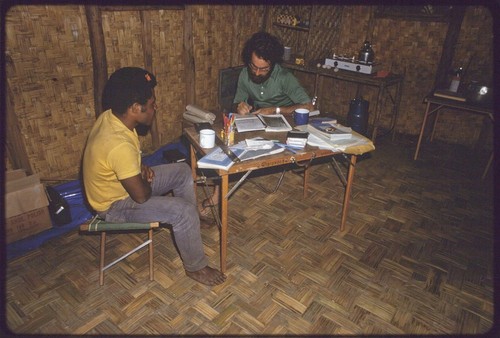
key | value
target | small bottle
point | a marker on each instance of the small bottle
(455, 80)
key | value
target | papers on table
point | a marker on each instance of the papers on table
(218, 159)
(324, 142)
(248, 123)
(258, 147)
(296, 138)
(275, 122)
(329, 128)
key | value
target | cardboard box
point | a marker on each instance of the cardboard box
(26, 206)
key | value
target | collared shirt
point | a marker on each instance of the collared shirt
(282, 89)
(112, 153)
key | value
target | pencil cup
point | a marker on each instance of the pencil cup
(229, 138)
(207, 138)
(301, 116)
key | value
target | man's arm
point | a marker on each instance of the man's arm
(139, 186)
(285, 110)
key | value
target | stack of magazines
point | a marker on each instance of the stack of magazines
(297, 138)
(325, 127)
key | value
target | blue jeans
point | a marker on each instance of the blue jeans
(179, 210)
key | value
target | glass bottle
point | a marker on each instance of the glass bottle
(455, 80)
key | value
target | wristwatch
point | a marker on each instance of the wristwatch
(278, 110)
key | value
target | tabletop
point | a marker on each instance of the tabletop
(285, 157)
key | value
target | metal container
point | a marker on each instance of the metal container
(366, 54)
(357, 118)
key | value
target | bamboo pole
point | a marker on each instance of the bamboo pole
(189, 56)
(14, 143)
(98, 47)
(147, 47)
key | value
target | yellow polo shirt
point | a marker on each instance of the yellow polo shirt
(112, 153)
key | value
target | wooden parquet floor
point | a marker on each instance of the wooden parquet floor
(416, 258)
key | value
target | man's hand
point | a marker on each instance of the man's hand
(147, 173)
(244, 108)
(138, 187)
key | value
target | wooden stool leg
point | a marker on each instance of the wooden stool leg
(150, 236)
(490, 160)
(101, 260)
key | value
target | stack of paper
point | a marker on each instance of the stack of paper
(297, 139)
(217, 159)
(330, 129)
(324, 142)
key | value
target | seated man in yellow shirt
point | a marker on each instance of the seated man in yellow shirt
(121, 189)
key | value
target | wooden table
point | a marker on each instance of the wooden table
(283, 158)
(383, 85)
(435, 104)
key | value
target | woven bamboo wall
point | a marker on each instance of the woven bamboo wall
(123, 39)
(475, 42)
(49, 65)
(49, 71)
(219, 32)
(410, 47)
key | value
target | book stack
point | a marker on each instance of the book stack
(329, 129)
(296, 138)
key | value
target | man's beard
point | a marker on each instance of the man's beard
(258, 79)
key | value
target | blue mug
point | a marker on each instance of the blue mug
(301, 116)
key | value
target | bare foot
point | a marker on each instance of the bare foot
(207, 276)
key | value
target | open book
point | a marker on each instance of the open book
(275, 122)
(217, 159)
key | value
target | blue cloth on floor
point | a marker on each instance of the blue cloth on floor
(72, 192)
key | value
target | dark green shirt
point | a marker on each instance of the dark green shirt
(282, 89)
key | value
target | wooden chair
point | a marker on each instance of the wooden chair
(97, 224)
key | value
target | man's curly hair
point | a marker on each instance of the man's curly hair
(265, 46)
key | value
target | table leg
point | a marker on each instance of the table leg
(348, 187)
(422, 128)
(377, 113)
(399, 92)
(306, 182)
(192, 154)
(434, 126)
(224, 216)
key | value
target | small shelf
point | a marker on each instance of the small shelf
(299, 28)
